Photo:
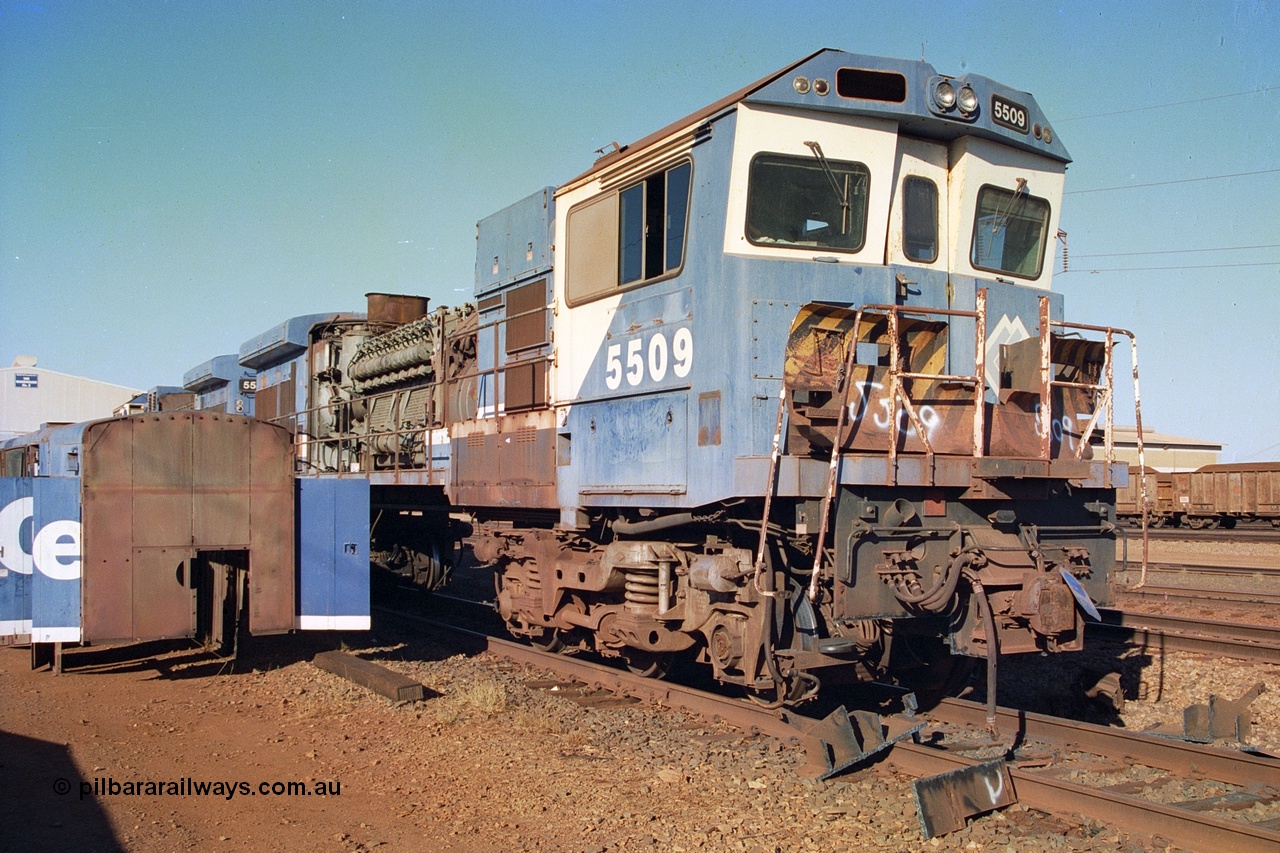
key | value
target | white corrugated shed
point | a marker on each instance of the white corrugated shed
(1164, 452)
(32, 395)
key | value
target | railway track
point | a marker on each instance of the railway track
(1162, 594)
(1240, 533)
(1132, 781)
(1242, 594)
(1136, 783)
(1195, 570)
(1259, 643)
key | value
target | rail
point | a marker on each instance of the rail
(1038, 782)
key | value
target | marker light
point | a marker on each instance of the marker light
(968, 101)
(944, 94)
(801, 85)
(821, 87)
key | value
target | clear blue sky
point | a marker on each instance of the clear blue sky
(177, 177)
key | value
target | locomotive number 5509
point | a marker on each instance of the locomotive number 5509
(652, 356)
(1009, 114)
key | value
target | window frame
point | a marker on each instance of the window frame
(906, 204)
(1044, 237)
(613, 198)
(809, 160)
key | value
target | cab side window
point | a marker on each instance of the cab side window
(629, 237)
(920, 219)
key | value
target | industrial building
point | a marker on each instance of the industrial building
(1163, 452)
(31, 396)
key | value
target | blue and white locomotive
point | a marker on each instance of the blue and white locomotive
(781, 386)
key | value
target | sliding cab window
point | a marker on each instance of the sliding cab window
(1009, 232)
(629, 237)
(920, 219)
(807, 202)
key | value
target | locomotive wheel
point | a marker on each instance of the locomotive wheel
(647, 664)
(429, 568)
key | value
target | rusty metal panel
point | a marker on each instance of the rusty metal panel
(266, 402)
(526, 385)
(106, 583)
(509, 460)
(220, 481)
(1015, 428)
(288, 400)
(162, 480)
(163, 594)
(271, 528)
(158, 487)
(945, 801)
(946, 412)
(526, 324)
(395, 309)
(1269, 493)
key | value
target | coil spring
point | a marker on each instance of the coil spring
(641, 588)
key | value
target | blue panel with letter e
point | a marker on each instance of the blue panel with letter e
(56, 554)
(16, 523)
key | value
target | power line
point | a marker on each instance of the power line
(1194, 267)
(1175, 251)
(1174, 104)
(1169, 183)
(1255, 454)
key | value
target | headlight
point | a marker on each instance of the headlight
(968, 101)
(944, 95)
(801, 85)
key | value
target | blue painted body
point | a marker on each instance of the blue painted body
(739, 311)
(333, 553)
(16, 533)
(40, 538)
(57, 553)
(218, 385)
(515, 243)
(640, 446)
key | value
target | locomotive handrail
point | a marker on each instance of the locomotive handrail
(1108, 400)
(896, 375)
